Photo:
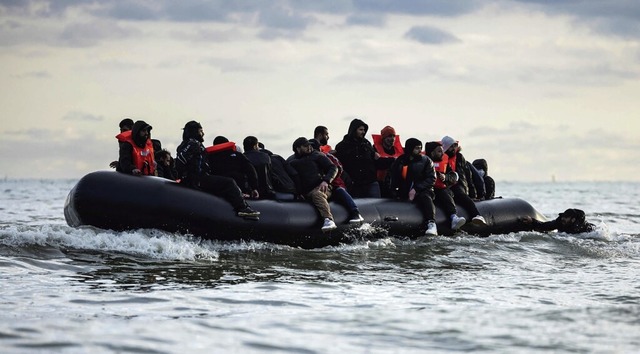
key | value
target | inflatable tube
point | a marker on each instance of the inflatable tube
(116, 201)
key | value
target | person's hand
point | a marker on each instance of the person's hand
(376, 156)
(412, 194)
(136, 172)
(441, 176)
(323, 187)
(255, 194)
(113, 164)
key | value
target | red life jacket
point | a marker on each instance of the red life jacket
(325, 148)
(142, 157)
(122, 137)
(377, 144)
(229, 145)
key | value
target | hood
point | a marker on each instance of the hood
(410, 144)
(219, 140)
(190, 131)
(354, 125)
(481, 164)
(139, 126)
(447, 141)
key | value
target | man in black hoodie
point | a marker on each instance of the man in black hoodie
(412, 178)
(489, 184)
(571, 221)
(358, 157)
(136, 155)
(194, 171)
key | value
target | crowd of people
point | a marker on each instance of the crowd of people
(357, 168)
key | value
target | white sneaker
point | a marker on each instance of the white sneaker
(328, 225)
(479, 221)
(457, 222)
(432, 229)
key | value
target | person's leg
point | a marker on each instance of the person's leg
(223, 187)
(319, 200)
(424, 201)
(343, 197)
(444, 199)
(373, 190)
(460, 197)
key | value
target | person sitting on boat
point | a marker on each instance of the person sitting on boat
(136, 150)
(412, 176)
(262, 164)
(454, 161)
(314, 174)
(165, 165)
(125, 125)
(358, 157)
(225, 160)
(194, 171)
(387, 144)
(489, 184)
(281, 174)
(571, 221)
(443, 195)
(477, 188)
(321, 134)
(338, 186)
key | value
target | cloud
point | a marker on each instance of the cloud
(91, 33)
(430, 35)
(412, 7)
(370, 20)
(82, 117)
(619, 18)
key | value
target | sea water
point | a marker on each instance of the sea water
(86, 290)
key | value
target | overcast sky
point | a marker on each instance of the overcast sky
(538, 88)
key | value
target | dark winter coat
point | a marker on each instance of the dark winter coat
(357, 155)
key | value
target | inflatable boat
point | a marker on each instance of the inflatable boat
(116, 201)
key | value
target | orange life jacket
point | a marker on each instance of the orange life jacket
(325, 148)
(440, 167)
(377, 144)
(142, 156)
(229, 145)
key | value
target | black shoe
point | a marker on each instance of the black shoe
(247, 212)
(356, 218)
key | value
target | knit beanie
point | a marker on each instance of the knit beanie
(386, 131)
(430, 146)
(410, 144)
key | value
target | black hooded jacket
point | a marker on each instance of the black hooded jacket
(357, 155)
(577, 224)
(420, 173)
(311, 170)
(191, 161)
(489, 184)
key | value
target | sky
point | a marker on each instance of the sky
(541, 89)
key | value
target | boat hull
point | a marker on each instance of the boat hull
(116, 201)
